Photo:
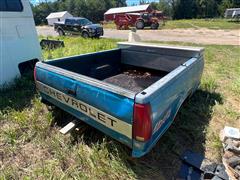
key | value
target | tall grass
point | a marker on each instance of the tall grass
(32, 148)
(78, 45)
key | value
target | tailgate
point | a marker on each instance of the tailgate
(107, 111)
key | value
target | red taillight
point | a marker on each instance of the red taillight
(35, 73)
(142, 122)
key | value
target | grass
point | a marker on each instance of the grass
(110, 25)
(32, 148)
(202, 23)
(195, 24)
(76, 46)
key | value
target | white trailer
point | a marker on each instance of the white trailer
(233, 13)
(57, 17)
(19, 44)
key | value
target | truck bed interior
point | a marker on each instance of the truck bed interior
(134, 70)
(135, 78)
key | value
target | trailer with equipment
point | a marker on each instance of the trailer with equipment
(139, 20)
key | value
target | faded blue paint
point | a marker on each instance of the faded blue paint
(106, 101)
(96, 97)
(119, 137)
(169, 99)
(101, 99)
(165, 96)
(56, 81)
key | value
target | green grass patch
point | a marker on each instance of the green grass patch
(32, 148)
(202, 23)
(77, 45)
(194, 23)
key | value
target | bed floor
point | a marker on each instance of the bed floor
(134, 80)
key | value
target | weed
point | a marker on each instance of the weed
(78, 45)
(32, 148)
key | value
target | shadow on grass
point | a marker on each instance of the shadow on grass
(187, 132)
(237, 21)
(18, 95)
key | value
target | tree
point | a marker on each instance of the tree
(165, 6)
(120, 3)
(143, 2)
(41, 11)
(184, 9)
(92, 9)
(225, 4)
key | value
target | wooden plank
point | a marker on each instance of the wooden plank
(69, 127)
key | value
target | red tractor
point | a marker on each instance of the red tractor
(139, 20)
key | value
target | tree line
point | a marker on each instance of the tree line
(188, 9)
(94, 9)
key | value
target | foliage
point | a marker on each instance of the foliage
(40, 12)
(76, 45)
(187, 9)
(91, 9)
(94, 9)
(32, 148)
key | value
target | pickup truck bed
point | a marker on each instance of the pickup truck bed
(131, 93)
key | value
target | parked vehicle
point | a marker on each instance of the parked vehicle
(139, 20)
(233, 13)
(131, 93)
(19, 46)
(80, 26)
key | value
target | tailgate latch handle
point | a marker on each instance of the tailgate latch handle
(71, 92)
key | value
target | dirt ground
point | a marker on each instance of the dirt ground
(197, 36)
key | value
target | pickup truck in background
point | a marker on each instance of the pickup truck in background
(131, 93)
(78, 26)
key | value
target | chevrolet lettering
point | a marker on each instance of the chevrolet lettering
(131, 93)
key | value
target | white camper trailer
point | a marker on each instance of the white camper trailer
(19, 45)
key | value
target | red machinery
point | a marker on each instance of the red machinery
(139, 20)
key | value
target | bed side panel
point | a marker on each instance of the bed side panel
(83, 64)
(166, 97)
(152, 60)
(109, 104)
(164, 58)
